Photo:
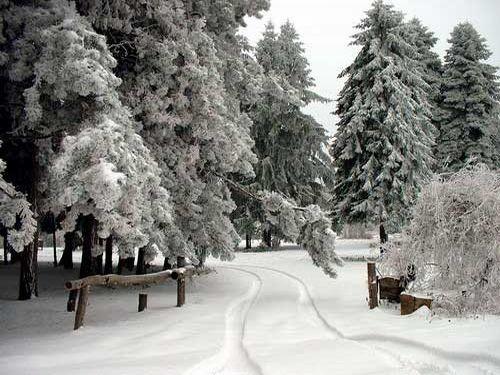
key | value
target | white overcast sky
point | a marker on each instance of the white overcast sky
(325, 27)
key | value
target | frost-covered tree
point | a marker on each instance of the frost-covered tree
(452, 242)
(172, 82)
(107, 175)
(308, 226)
(57, 72)
(432, 69)
(382, 150)
(470, 102)
(290, 145)
(15, 214)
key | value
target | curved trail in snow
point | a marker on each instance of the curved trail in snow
(233, 358)
(458, 358)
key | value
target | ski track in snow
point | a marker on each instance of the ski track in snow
(463, 361)
(233, 357)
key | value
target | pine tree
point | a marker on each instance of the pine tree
(470, 102)
(424, 41)
(173, 84)
(382, 150)
(15, 214)
(106, 177)
(56, 73)
(289, 144)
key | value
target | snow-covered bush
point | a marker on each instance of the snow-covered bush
(308, 226)
(453, 242)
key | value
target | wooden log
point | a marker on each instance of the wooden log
(372, 286)
(70, 306)
(410, 304)
(130, 280)
(181, 290)
(390, 288)
(143, 301)
(82, 306)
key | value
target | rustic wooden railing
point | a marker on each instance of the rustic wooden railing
(82, 287)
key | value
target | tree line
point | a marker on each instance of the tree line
(154, 125)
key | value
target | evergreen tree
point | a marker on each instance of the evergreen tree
(15, 214)
(173, 84)
(424, 41)
(290, 145)
(57, 72)
(107, 175)
(469, 129)
(383, 146)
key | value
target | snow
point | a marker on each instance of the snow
(263, 313)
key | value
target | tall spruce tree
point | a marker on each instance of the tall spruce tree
(469, 128)
(424, 41)
(383, 146)
(290, 145)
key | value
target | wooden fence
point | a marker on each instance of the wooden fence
(392, 289)
(82, 287)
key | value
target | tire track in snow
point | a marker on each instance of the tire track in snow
(233, 358)
(460, 358)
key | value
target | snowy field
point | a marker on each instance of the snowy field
(264, 313)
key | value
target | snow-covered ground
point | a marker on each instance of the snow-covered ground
(264, 313)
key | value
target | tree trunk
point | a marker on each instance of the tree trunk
(97, 265)
(141, 265)
(383, 234)
(248, 239)
(129, 262)
(181, 262)
(28, 276)
(54, 244)
(28, 280)
(267, 238)
(166, 265)
(121, 262)
(69, 246)
(5, 250)
(108, 265)
(88, 234)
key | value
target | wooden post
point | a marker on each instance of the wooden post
(372, 286)
(70, 306)
(82, 306)
(181, 290)
(143, 301)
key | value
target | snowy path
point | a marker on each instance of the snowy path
(233, 358)
(264, 313)
(274, 323)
